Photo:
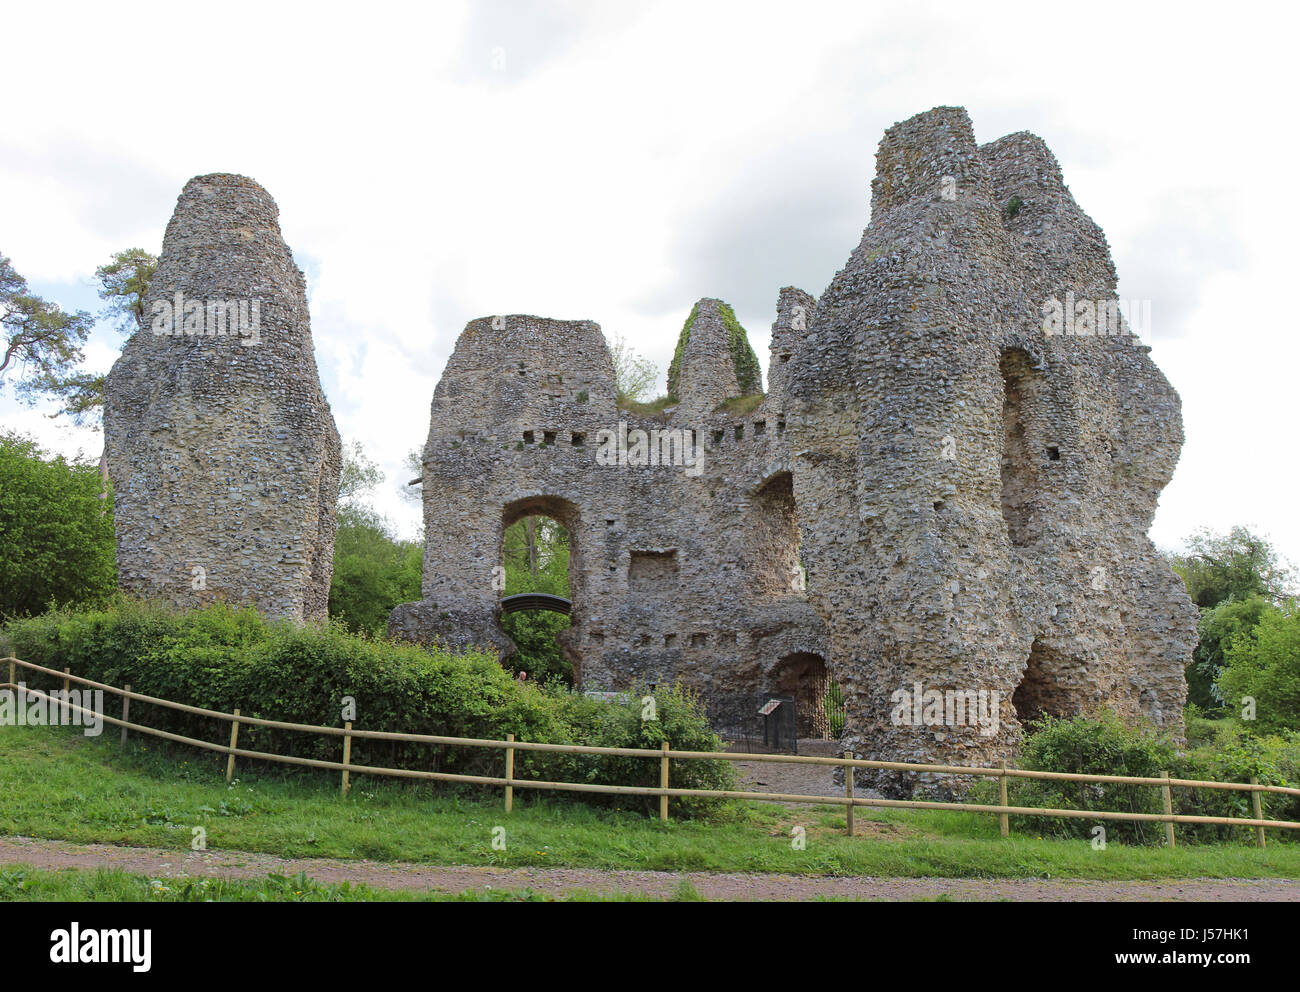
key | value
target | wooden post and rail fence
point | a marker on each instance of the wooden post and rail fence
(509, 783)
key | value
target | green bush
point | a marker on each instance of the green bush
(1101, 745)
(56, 533)
(1105, 745)
(1233, 754)
(678, 718)
(222, 658)
(539, 655)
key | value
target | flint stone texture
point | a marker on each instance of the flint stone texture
(968, 493)
(677, 571)
(219, 441)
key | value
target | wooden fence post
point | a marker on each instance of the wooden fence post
(848, 791)
(1004, 819)
(347, 755)
(67, 682)
(1169, 810)
(234, 742)
(510, 774)
(663, 782)
(126, 711)
(13, 674)
(1257, 803)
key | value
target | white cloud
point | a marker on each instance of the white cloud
(625, 159)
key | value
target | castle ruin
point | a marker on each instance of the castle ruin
(940, 502)
(943, 494)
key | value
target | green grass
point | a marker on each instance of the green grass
(740, 405)
(649, 409)
(59, 785)
(22, 883)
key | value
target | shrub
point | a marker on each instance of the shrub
(1105, 745)
(1093, 745)
(373, 571)
(679, 719)
(1235, 755)
(221, 658)
(539, 655)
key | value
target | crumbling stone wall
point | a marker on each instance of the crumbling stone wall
(975, 493)
(523, 421)
(219, 441)
(968, 493)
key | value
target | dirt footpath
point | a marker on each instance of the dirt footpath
(155, 863)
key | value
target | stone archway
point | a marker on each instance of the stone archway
(566, 600)
(804, 676)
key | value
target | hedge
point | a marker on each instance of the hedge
(221, 658)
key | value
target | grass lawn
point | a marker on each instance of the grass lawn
(22, 883)
(57, 784)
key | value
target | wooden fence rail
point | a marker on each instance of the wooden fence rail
(510, 746)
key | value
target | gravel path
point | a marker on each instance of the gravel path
(155, 863)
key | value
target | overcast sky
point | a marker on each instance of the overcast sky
(616, 161)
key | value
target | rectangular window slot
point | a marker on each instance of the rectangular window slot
(760, 427)
(579, 439)
(528, 437)
(548, 437)
(699, 640)
(717, 438)
(740, 432)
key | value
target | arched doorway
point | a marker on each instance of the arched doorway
(818, 703)
(536, 584)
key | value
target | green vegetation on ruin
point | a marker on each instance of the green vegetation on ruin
(748, 372)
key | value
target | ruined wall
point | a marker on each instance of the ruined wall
(220, 444)
(679, 570)
(975, 493)
(969, 493)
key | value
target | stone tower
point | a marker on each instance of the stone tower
(219, 441)
(974, 489)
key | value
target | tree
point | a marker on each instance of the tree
(1235, 579)
(124, 283)
(373, 571)
(1219, 627)
(47, 343)
(414, 470)
(43, 343)
(1237, 565)
(634, 376)
(1263, 665)
(358, 474)
(56, 531)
